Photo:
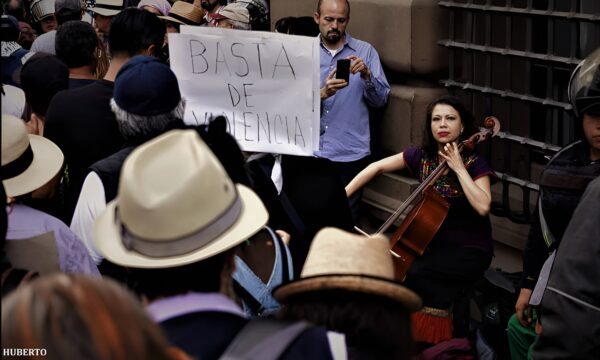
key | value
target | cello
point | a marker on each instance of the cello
(425, 210)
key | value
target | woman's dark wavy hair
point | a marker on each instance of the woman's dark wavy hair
(429, 143)
(375, 327)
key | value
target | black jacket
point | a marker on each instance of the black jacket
(206, 335)
(562, 183)
(571, 304)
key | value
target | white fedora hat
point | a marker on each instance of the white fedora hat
(13, 101)
(176, 206)
(28, 161)
(107, 7)
(341, 260)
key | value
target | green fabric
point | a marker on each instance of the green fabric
(520, 338)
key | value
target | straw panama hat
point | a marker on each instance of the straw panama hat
(341, 260)
(28, 161)
(176, 206)
(184, 13)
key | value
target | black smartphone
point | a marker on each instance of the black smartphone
(343, 69)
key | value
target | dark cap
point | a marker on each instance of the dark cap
(70, 5)
(10, 28)
(145, 86)
(42, 76)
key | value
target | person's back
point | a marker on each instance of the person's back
(77, 45)
(74, 317)
(142, 77)
(185, 273)
(80, 120)
(26, 223)
(359, 299)
(37, 180)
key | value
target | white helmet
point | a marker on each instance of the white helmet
(41, 9)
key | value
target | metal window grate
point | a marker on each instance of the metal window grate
(513, 59)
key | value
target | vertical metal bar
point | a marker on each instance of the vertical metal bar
(509, 102)
(488, 57)
(451, 51)
(574, 53)
(552, 129)
(528, 67)
(471, 36)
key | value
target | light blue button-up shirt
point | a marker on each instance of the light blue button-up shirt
(345, 134)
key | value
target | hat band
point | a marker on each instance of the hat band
(108, 7)
(183, 19)
(183, 245)
(19, 165)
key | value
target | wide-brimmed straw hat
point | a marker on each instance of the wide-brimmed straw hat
(107, 7)
(184, 13)
(341, 260)
(176, 206)
(28, 161)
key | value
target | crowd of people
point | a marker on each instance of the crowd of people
(128, 233)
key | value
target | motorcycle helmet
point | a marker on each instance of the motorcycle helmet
(584, 86)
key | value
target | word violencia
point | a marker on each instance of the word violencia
(259, 127)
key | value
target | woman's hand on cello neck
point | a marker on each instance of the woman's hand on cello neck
(452, 155)
(477, 192)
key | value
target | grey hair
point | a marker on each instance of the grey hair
(238, 25)
(135, 126)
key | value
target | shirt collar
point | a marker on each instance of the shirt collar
(167, 308)
(348, 40)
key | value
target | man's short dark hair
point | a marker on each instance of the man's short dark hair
(67, 10)
(134, 30)
(42, 76)
(66, 15)
(76, 44)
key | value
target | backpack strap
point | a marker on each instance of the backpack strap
(13, 278)
(264, 339)
(546, 233)
(248, 298)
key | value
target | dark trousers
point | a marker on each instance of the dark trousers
(347, 171)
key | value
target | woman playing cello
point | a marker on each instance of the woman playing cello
(462, 248)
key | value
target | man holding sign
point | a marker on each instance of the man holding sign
(345, 135)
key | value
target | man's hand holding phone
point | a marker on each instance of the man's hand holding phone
(332, 85)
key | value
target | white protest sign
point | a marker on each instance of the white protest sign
(266, 85)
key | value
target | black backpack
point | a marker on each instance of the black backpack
(264, 339)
